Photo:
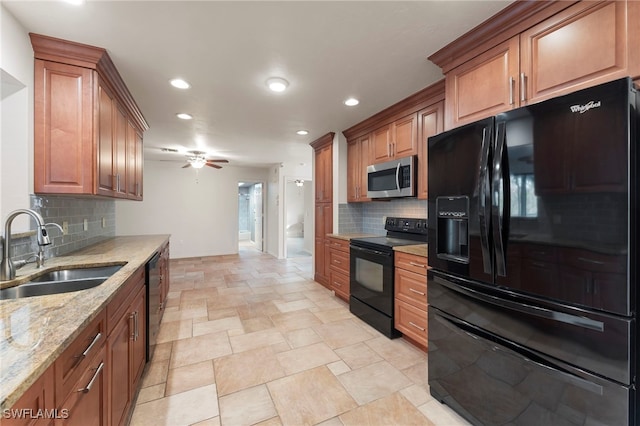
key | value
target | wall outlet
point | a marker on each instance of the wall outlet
(65, 227)
(104, 222)
(86, 225)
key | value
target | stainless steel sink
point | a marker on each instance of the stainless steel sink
(62, 281)
(77, 274)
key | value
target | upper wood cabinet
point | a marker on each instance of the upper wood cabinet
(547, 49)
(397, 131)
(430, 123)
(87, 127)
(395, 140)
(357, 162)
(324, 174)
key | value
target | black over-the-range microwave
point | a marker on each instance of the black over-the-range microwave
(392, 179)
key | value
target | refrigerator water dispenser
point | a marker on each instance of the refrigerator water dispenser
(453, 228)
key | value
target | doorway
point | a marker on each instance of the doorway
(250, 216)
(298, 237)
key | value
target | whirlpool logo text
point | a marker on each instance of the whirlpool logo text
(586, 107)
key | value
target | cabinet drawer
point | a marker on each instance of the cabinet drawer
(338, 244)
(75, 359)
(117, 307)
(411, 321)
(339, 261)
(340, 284)
(411, 262)
(411, 288)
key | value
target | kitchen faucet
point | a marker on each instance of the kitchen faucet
(7, 266)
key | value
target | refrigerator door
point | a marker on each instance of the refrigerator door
(600, 343)
(459, 204)
(560, 198)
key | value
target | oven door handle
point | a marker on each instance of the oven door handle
(370, 251)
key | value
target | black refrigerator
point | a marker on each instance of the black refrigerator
(533, 251)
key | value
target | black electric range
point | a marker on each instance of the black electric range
(372, 271)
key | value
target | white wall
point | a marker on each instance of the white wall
(200, 211)
(16, 115)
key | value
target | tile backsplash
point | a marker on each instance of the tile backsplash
(74, 211)
(369, 217)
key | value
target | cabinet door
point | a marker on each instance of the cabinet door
(119, 370)
(87, 402)
(380, 145)
(405, 136)
(139, 172)
(483, 86)
(63, 129)
(324, 178)
(584, 45)
(106, 123)
(138, 343)
(353, 170)
(430, 123)
(120, 152)
(132, 162)
(40, 396)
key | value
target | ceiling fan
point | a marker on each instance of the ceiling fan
(198, 159)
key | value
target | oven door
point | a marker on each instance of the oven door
(372, 278)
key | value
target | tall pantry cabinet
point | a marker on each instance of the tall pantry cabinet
(323, 217)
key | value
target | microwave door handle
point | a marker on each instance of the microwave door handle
(398, 176)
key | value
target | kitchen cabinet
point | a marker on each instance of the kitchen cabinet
(357, 162)
(126, 346)
(410, 302)
(324, 174)
(323, 209)
(339, 266)
(395, 140)
(430, 123)
(39, 396)
(582, 45)
(87, 126)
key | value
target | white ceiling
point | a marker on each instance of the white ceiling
(327, 50)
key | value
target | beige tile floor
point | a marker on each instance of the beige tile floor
(252, 340)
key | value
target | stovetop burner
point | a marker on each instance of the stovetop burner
(400, 232)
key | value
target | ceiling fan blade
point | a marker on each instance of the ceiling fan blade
(215, 166)
(217, 161)
(186, 165)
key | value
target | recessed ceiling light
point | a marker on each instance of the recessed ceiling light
(351, 102)
(277, 84)
(179, 83)
(184, 116)
(302, 132)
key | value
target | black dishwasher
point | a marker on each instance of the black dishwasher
(153, 302)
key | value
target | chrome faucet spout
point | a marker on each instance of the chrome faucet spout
(7, 266)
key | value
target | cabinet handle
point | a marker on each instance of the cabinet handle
(389, 149)
(416, 326)
(595, 262)
(511, 82)
(136, 323)
(416, 291)
(419, 265)
(93, 342)
(337, 262)
(93, 379)
(523, 87)
(337, 283)
(132, 317)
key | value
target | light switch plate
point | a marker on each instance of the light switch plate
(86, 225)
(65, 227)
(104, 222)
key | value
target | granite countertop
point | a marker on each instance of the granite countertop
(417, 249)
(36, 330)
(350, 235)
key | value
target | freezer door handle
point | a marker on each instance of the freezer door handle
(524, 308)
(484, 201)
(500, 200)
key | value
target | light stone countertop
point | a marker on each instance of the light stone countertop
(349, 236)
(34, 331)
(418, 249)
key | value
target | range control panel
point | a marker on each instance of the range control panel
(407, 225)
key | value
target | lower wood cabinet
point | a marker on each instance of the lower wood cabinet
(95, 379)
(411, 297)
(339, 262)
(126, 347)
